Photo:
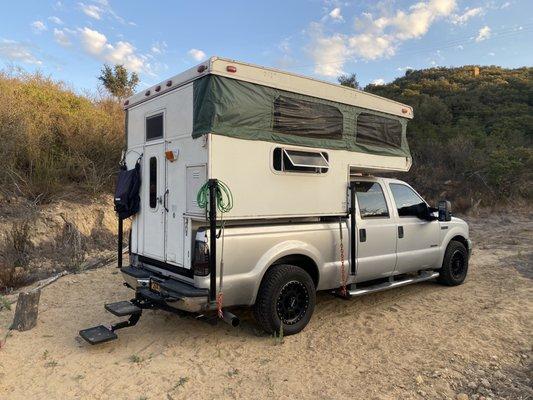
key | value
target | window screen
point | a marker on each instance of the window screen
(371, 200)
(154, 127)
(153, 182)
(300, 161)
(380, 131)
(306, 118)
(407, 201)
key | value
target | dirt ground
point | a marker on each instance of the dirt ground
(418, 342)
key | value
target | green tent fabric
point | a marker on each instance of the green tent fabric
(244, 110)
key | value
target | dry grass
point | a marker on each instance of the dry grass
(14, 255)
(55, 141)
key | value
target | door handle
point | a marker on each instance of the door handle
(362, 235)
(400, 232)
(165, 200)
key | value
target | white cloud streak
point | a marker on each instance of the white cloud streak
(196, 54)
(461, 19)
(12, 50)
(38, 26)
(336, 14)
(483, 34)
(96, 44)
(55, 20)
(374, 37)
(61, 37)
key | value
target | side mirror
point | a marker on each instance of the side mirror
(424, 212)
(445, 210)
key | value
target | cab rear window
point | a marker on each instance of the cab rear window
(371, 200)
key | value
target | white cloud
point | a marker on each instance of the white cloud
(460, 47)
(159, 48)
(197, 55)
(483, 34)
(505, 5)
(91, 10)
(99, 8)
(38, 26)
(55, 20)
(460, 19)
(401, 69)
(492, 54)
(378, 82)
(18, 52)
(336, 14)
(374, 37)
(61, 37)
(97, 45)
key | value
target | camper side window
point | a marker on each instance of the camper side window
(378, 131)
(307, 118)
(152, 190)
(300, 161)
(154, 127)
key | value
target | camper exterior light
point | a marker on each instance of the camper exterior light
(158, 88)
(231, 68)
(201, 69)
(169, 83)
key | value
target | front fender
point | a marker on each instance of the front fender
(452, 232)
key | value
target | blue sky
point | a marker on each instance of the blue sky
(378, 40)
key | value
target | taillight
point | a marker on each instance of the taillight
(200, 262)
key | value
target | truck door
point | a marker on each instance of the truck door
(376, 232)
(153, 212)
(418, 240)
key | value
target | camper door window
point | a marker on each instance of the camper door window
(306, 118)
(154, 127)
(379, 131)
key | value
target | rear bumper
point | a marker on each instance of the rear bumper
(173, 293)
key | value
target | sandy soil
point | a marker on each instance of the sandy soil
(421, 341)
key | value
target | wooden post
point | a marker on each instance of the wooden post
(27, 310)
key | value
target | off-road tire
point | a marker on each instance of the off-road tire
(449, 273)
(269, 299)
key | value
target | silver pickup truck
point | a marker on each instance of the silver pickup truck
(277, 267)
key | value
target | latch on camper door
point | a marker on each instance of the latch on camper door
(165, 199)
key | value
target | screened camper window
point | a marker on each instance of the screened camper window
(379, 131)
(307, 118)
(152, 190)
(154, 127)
(371, 200)
(314, 162)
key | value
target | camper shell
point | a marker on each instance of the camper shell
(290, 154)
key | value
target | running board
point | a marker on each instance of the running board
(424, 276)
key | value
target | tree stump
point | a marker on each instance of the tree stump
(27, 310)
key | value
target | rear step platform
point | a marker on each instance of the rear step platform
(98, 334)
(122, 308)
(102, 334)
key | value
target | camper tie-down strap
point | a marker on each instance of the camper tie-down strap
(344, 279)
(224, 203)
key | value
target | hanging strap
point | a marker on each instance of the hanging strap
(344, 277)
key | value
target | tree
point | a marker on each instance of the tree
(349, 80)
(118, 81)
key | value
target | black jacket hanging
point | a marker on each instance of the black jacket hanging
(127, 199)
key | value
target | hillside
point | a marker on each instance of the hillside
(471, 136)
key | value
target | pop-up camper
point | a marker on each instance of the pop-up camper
(249, 182)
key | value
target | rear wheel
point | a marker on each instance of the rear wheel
(286, 298)
(455, 264)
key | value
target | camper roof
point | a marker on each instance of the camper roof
(277, 79)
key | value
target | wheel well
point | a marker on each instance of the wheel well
(460, 239)
(304, 262)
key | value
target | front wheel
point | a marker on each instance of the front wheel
(455, 264)
(286, 298)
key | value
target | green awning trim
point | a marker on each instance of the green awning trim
(229, 107)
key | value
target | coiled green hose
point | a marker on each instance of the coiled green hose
(224, 197)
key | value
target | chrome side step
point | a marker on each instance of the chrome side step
(424, 276)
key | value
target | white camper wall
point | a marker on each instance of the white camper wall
(259, 191)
